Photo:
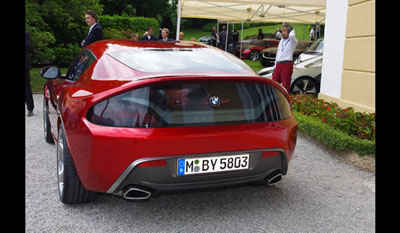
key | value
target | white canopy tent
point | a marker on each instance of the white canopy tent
(288, 11)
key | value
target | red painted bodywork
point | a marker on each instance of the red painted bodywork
(247, 49)
(101, 154)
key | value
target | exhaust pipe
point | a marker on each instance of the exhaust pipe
(274, 178)
(136, 194)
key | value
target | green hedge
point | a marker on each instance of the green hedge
(332, 137)
(46, 49)
(122, 27)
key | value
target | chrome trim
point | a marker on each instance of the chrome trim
(91, 53)
(271, 180)
(137, 198)
(135, 163)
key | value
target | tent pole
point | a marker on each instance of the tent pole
(226, 33)
(178, 22)
(218, 41)
(241, 42)
(233, 29)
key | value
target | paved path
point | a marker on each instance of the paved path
(319, 194)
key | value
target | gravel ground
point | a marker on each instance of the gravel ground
(320, 193)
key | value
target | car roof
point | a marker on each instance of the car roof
(133, 60)
(110, 45)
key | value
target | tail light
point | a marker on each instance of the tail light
(46, 92)
(156, 163)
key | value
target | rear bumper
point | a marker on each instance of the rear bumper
(166, 178)
(107, 158)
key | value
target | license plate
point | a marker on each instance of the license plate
(212, 164)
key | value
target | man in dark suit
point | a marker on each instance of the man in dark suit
(164, 35)
(28, 66)
(95, 32)
(149, 35)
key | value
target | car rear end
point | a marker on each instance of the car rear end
(181, 134)
(178, 132)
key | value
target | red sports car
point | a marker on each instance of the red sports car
(252, 51)
(137, 118)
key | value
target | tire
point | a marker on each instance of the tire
(46, 124)
(304, 85)
(70, 188)
(263, 62)
(254, 55)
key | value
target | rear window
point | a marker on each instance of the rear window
(192, 104)
(181, 60)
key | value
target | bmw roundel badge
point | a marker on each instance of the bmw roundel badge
(214, 101)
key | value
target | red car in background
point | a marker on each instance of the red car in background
(252, 50)
(136, 118)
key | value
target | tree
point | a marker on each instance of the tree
(67, 18)
(145, 8)
(57, 27)
(118, 7)
(162, 10)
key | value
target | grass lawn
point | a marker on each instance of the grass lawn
(195, 33)
(255, 65)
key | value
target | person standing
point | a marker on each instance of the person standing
(235, 40)
(214, 37)
(164, 35)
(278, 34)
(222, 37)
(312, 33)
(135, 36)
(95, 31)
(317, 32)
(181, 36)
(28, 66)
(284, 57)
(149, 35)
(260, 34)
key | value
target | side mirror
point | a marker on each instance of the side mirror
(50, 72)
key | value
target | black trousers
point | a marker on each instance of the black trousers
(28, 91)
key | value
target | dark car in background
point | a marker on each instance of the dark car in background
(252, 51)
(267, 56)
(253, 38)
(247, 39)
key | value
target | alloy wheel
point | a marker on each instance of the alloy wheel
(60, 164)
(304, 85)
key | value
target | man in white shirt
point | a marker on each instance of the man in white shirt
(284, 57)
(278, 34)
(312, 33)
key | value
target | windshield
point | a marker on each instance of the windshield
(181, 60)
(302, 45)
(316, 47)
